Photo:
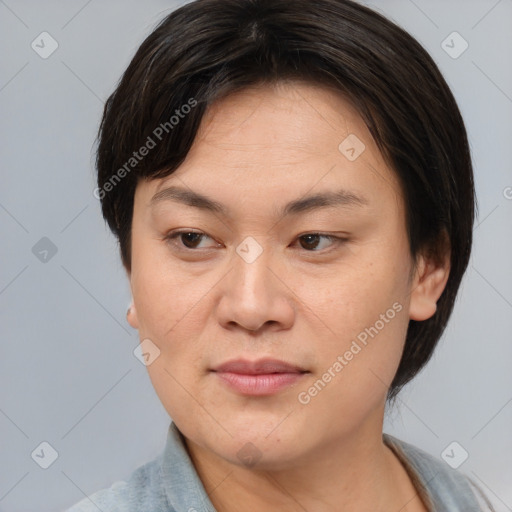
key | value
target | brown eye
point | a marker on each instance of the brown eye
(190, 240)
(309, 241)
(187, 240)
(314, 241)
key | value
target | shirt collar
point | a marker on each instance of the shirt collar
(183, 487)
(186, 493)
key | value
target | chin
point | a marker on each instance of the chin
(262, 454)
(257, 442)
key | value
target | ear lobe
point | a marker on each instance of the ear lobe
(428, 285)
(131, 316)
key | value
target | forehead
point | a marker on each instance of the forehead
(294, 115)
(283, 140)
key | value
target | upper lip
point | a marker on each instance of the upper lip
(258, 367)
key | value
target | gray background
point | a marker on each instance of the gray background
(68, 374)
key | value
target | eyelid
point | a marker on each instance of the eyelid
(335, 239)
(173, 235)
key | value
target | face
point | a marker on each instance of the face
(272, 280)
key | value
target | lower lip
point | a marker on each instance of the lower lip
(258, 385)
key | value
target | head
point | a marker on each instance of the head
(317, 167)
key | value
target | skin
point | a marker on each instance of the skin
(302, 302)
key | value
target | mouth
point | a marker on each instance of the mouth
(258, 378)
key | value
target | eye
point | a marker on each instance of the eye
(313, 241)
(189, 239)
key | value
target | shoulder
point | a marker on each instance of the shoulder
(142, 491)
(165, 484)
(449, 489)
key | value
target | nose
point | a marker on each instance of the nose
(254, 296)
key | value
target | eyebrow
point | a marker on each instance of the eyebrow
(339, 198)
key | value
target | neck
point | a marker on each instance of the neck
(357, 472)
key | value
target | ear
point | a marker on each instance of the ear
(428, 283)
(131, 316)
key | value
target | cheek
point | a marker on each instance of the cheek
(165, 295)
(364, 309)
(171, 314)
(357, 366)
(353, 297)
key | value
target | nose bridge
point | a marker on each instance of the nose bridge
(252, 277)
(252, 296)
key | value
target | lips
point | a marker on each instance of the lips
(261, 377)
(262, 366)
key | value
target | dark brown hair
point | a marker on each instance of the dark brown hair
(208, 49)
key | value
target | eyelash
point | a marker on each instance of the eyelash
(172, 236)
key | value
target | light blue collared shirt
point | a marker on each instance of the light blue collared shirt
(170, 483)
